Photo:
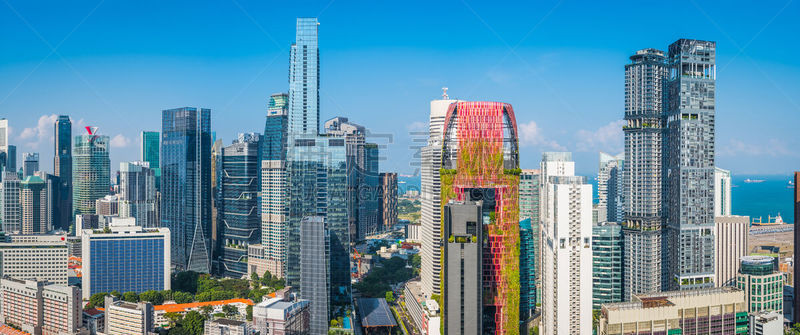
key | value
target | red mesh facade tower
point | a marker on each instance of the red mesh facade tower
(480, 161)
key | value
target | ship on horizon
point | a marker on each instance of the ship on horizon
(752, 181)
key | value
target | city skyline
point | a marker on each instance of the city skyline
(533, 64)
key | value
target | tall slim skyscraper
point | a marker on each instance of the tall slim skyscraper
(316, 170)
(645, 93)
(689, 165)
(186, 186)
(722, 192)
(609, 187)
(529, 208)
(137, 194)
(567, 256)
(239, 204)
(62, 167)
(271, 254)
(30, 163)
(91, 178)
(528, 258)
(480, 162)
(430, 199)
(304, 79)
(730, 245)
(34, 203)
(150, 153)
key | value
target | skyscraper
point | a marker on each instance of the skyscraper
(388, 201)
(689, 165)
(609, 187)
(607, 264)
(316, 170)
(34, 203)
(567, 257)
(30, 163)
(722, 192)
(304, 79)
(480, 162)
(362, 176)
(271, 254)
(796, 302)
(239, 204)
(7, 157)
(529, 189)
(137, 194)
(150, 153)
(761, 282)
(463, 269)
(91, 177)
(315, 270)
(528, 258)
(62, 167)
(186, 185)
(430, 200)
(10, 211)
(645, 92)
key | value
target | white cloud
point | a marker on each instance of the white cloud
(43, 132)
(606, 138)
(531, 135)
(120, 141)
(417, 126)
(773, 148)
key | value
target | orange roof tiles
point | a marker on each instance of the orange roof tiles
(6, 330)
(183, 307)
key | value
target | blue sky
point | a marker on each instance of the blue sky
(117, 64)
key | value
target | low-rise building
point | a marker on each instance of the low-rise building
(702, 311)
(766, 323)
(227, 327)
(34, 257)
(160, 310)
(424, 312)
(282, 316)
(40, 308)
(762, 283)
(127, 318)
(94, 321)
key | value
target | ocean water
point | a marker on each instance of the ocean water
(771, 197)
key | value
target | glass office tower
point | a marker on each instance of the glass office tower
(62, 167)
(607, 251)
(150, 153)
(186, 186)
(239, 221)
(91, 177)
(689, 165)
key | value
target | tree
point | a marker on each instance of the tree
(97, 300)
(230, 310)
(389, 296)
(185, 281)
(249, 310)
(207, 310)
(174, 318)
(193, 322)
(130, 297)
(153, 297)
(182, 297)
(115, 294)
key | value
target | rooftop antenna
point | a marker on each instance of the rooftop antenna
(444, 94)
